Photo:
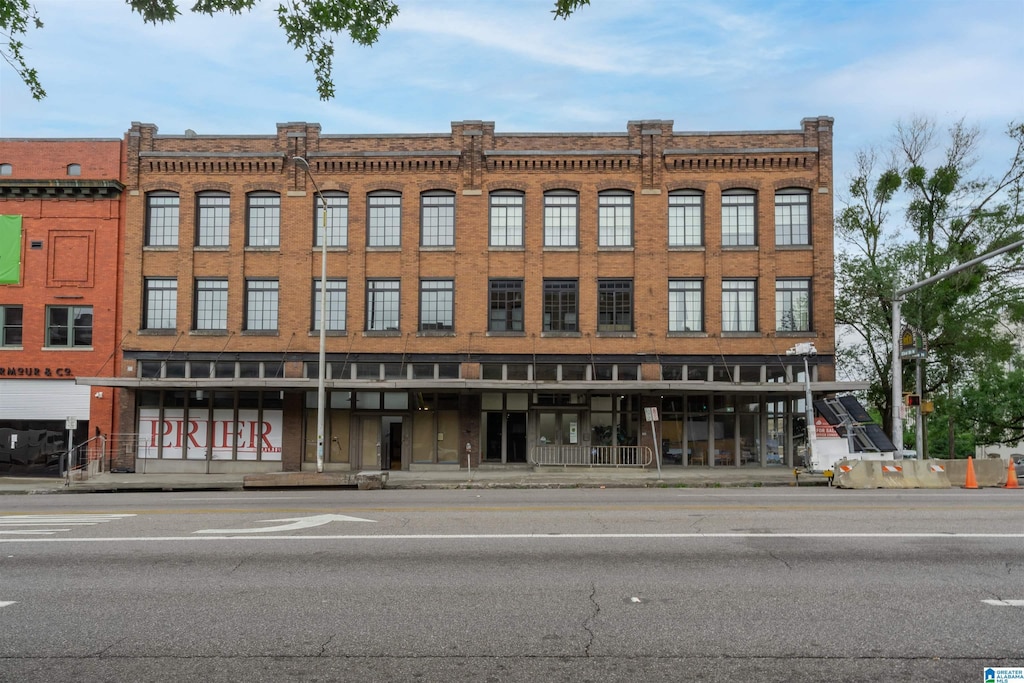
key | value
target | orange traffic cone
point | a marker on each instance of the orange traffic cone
(971, 482)
(1011, 477)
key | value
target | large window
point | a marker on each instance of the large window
(261, 301)
(10, 325)
(384, 219)
(561, 301)
(437, 305)
(686, 219)
(615, 219)
(264, 228)
(213, 219)
(337, 219)
(561, 219)
(161, 305)
(614, 305)
(437, 219)
(506, 306)
(506, 219)
(211, 310)
(337, 303)
(162, 219)
(68, 326)
(793, 305)
(739, 305)
(738, 224)
(382, 300)
(685, 305)
(792, 217)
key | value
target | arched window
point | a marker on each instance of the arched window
(615, 218)
(6, 169)
(337, 219)
(74, 169)
(792, 217)
(161, 219)
(739, 218)
(561, 218)
(507, 218)
(437, 218)
(384, 219)
(686, 218)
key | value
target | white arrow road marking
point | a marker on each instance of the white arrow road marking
(4, 603)
(1005, 603)
(296, 523)
(7, 521)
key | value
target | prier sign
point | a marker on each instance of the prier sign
(223, 437)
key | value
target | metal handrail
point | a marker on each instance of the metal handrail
(592, 456)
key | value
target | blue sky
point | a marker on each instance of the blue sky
(705, 64)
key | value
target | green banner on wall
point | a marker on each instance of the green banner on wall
(10, 250)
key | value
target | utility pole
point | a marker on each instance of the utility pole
(897, 358)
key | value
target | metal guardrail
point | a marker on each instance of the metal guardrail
(592, 456)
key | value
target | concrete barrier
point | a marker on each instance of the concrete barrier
(988, 472)
(858, 474)
(879, 474)
(927, 474)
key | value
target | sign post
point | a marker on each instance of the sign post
(652, 416)
(71, 424)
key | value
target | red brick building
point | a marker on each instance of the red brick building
(60, 218)
(507, 297)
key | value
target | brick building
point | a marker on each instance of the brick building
(60, 217)
(505, 297)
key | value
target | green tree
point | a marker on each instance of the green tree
(309, 26)
(949, 216)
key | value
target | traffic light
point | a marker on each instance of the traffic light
(913, 400)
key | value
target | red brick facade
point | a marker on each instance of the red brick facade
(647, 163)
(68, 196)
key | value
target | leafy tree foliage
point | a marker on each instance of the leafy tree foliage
(309, 26)
(967, 321)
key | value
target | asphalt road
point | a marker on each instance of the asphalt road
(504, 585)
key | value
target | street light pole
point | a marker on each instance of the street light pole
(321, 391)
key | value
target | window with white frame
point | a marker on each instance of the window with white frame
(686, 305)
(615, 305)
(793, 305)
(264, 219)
(615, 219)
(162, 219)
(739, 305)
(507, 219)
(384, 219)
(261, 302)
(211, 309)
(561, 218)
(437, 219)
(382, 305)
(739, 227)
(686, 218)
(437, 305)
(213, 219)
(792, 217)
(68, 326)
(336, 305)
(161, 304)
(337, 219)
(11, 318)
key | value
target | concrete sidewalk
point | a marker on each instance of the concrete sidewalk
(546, 477)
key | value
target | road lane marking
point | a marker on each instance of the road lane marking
(296, 523)
(1005, 603)
(54, 520)
(5, 603)
(551, 536)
